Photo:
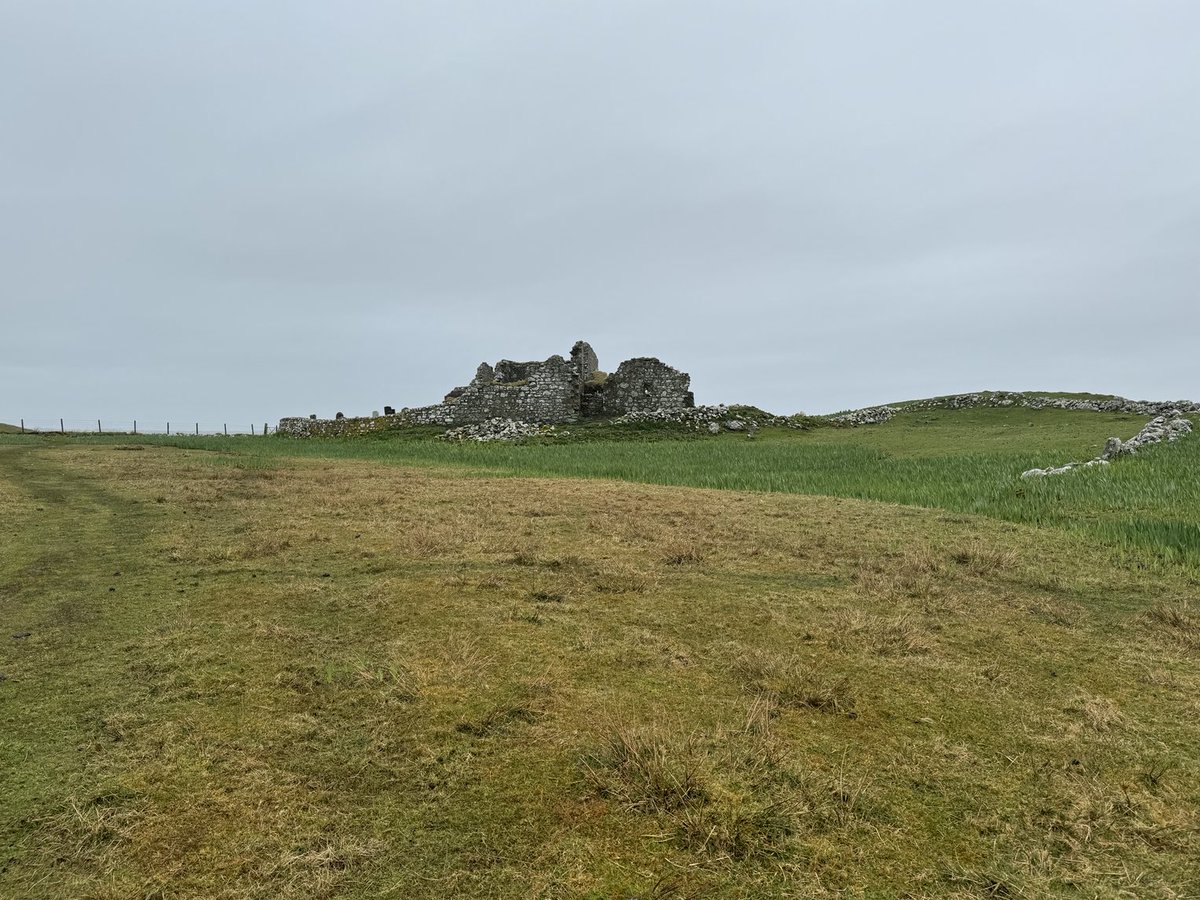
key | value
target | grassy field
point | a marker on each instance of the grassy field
(270, 668)
(966, 461)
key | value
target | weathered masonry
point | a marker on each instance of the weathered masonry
(555, 390)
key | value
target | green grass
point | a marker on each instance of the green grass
(9, 429)
(964, 461)
(253, 674)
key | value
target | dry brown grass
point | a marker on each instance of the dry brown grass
(854, 629)
(342, 679)
(1177, 621)
(791, 681)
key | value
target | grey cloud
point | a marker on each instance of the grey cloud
(248, 210)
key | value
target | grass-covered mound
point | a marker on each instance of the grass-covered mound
(245, 673)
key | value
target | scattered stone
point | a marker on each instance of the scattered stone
(500, 430)
(3, 677)
(735, 425)
(21, 634)
(706, 418)
(1167, 408)
(872, 415)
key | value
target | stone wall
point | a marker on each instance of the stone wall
(642, 385)
(297, 426)
(1036, 401)
(584, 361)
(546, 391)
(1170, 428)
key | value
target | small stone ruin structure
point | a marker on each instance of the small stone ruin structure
(553, 391)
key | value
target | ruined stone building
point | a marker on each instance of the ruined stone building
(555, 390)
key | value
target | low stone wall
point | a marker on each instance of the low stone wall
(872, 415)
(302, 427)
(1168, 428)
(877, 415)
(1034, 401)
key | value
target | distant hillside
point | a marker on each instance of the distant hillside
(8, 429)
(1065, 395)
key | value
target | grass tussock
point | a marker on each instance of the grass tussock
(683, 554)
(648, 770)
(1178, 621)
(796, 683)
(737, 794)
(1100, 714)
(527, 703)
(914, 575)
(852, 629)
(985, 560)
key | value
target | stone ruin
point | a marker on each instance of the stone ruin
(551, 391)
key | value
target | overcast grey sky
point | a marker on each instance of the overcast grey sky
(226, 211)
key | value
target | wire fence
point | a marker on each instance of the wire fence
(142, 426)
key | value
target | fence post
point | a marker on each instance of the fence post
(135, 426)
(99, 430)
(22, 426)
(168, 429)
(226, 427)
(265, 432)
(62, 429)
(251, 429)
(197, 429)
